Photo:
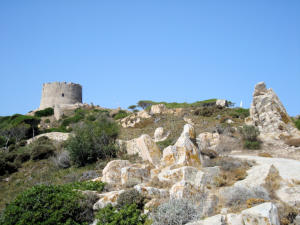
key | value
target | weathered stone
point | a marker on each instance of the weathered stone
(263, 214)
(269, 115)
(112, 171)
(208, 140)
(222, 103)
(132, 175)
(107, 198)
(234, 219)
(184, 152)
(159, 134)
(152, 192)
(158, 109)
(145, 147)
(289, 195)
(55, 136)
(141, 119)
(184, 189)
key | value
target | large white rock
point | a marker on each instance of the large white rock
(141, 119)
(184, 152)
(263, 214)
(158, 109)
(145, 147)
(112, 171)
(184, 189)
(55, 136)
(159, 134)
(221, 103)
(152, 192)
(208, 140)
(269, 115)
(132, 175)
(234, 219)
(107, 198)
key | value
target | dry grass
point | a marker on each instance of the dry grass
(272, 182)
(254, 201)
(265, 154)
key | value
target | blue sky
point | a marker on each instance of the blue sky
(162, 50)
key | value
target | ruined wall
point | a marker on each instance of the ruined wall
(58, 93)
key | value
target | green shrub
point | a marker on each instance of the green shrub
(129, 197)
(45, 112)
(7, 167)
(128, 215)
(206, 111)
(42, 151)
(249, 133)
(163, 144)
(22, 157)
(92, 141)
(47, 121)
(240, 113)
(121, 114)
(48, 205)
(297, 123)
(74, 119)
(252, 144)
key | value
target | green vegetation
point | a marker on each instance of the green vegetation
(163, 144)
(93, 141)
(250, 134)
(127, 215)
(49, 204)
(147, 103)
(45, 112)
(130, 197)
(16, 127)
(121, 114)
(297, 123)
(240, 113)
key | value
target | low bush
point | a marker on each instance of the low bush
(252, 145)
(87, 185)
(7, 167)
(176, 212)
(129, 197)
(127, 215)
(42, 151)
(206, 111)
(121, 114)
(239, 113)
(163, 144)
(250, 134)
(22, 157)
(45, 112)
(297, 123)
(93, 141)
(48, 205)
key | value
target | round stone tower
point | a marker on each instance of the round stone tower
(60, 93)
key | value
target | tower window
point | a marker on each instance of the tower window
(62, 95)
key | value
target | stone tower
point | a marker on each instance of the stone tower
(60, 93)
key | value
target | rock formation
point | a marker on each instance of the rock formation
(269, 115)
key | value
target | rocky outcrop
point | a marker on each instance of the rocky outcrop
(112, 171)
(159, 134)
(269, 115)
(136, 174)
(158, 109)
(107, 198)
(145, 147)
(55, 136)
(140, 119)
(263, 214)
(184, 152)
(208, 140)
(221, 103)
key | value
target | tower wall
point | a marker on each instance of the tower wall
(59, 93)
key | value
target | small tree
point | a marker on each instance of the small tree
(144, 104)
(132, 107)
